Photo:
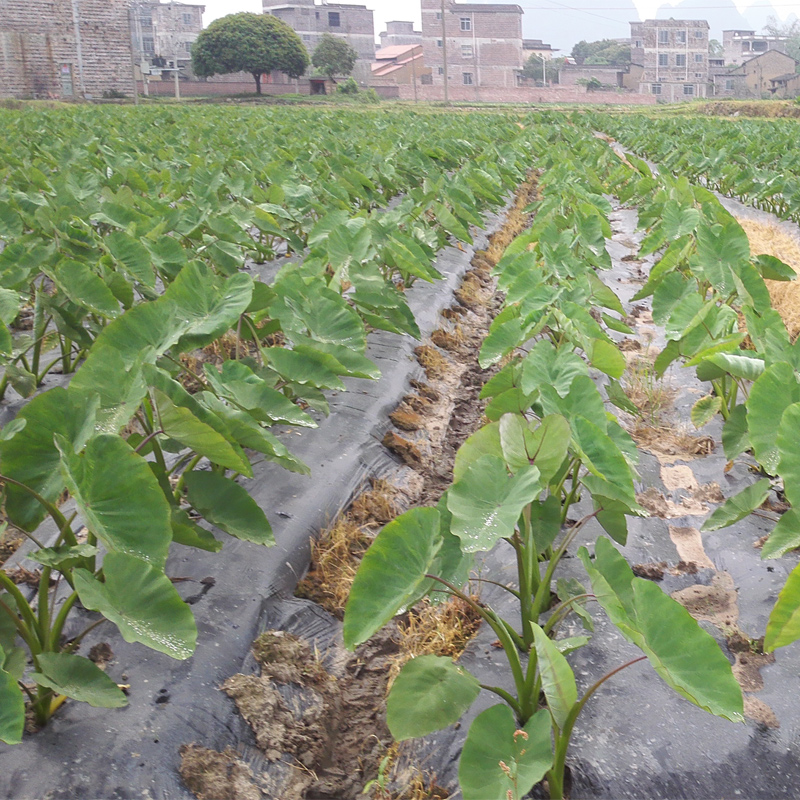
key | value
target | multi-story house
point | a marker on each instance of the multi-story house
(754, 78)
(165, 32)
(673, 54)
(399, 33)
(64, 49)
(481, 42)
(741, 46)
(352, 23)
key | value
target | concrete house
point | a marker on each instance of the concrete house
(64, 49)
(399, 33)
(310, 21)
(164, 33)
(741, 46)
(753, 79)
(482, 42)
(673, 54)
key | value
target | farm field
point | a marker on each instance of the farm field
(533, 398)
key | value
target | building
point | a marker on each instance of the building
(64, 49)
(400, 63)
(754, 78)
(399, 33)
(785, 86)
(741, 46)
(352, 23)
(673, 54)
(482, 43)
(164, 33)
(538, 48)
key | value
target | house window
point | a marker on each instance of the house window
(146, 20)
(638, 43)
(333, 19)
(729, 85)
(663, 37)
(680, 37)
(688, 89)
(188, 19)
(466, 24)
(148, 44)
(663, 60)
(698, 58)
(306, 37)
(698, 74)
(466, 51)
(698, 34)
(680, 60)
(655, 88)
(759, 47)
(441, 71)
(745, 47)
(187, 46)
(438, 42)
(316, 15)
(467, 77)
(438, 15)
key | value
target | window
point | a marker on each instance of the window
(680, 60)
(466, 24)
(698, 58)
(438, 42)
(148, 45)
(439, 15)
(426, 80)
(188, 19)
(638, 43)
(698, 34)
(655, 88)
(466, 51)
(306, 37)
(467, 78)
(663, 37)
(745, 47)
(698, 74)
(187, 46)
(759, 47)
(333, 19)
(663, 60)
(680, 37)
(441, 70)
(688, 89)
(316, 15)
(729, 85)
(146, 20)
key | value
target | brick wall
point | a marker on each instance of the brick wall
(64, 48)
(556, 94)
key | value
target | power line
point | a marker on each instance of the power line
(627, 8)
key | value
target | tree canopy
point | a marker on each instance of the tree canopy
(604, 51)
(334, 56)
(791, 30)
(254, 43)
(532, 68)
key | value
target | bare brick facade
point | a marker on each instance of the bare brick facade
(65, 48)
(674, 56)
(165, 32)
(741, 46)
(483, 43)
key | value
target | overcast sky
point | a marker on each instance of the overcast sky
(386, 10)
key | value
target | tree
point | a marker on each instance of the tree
(532, 69)
(334, 56)
(254, 43)
(791, 30)
(604, 51)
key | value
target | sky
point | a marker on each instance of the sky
(386, 10)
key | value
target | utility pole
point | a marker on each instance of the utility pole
(177, 74)
(414, 71)
(444, 56)
(76, 24)
(134, 51)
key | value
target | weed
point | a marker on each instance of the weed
(432, 361)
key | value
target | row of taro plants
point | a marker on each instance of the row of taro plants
(708, 292)
(549, 442)
(128, 246)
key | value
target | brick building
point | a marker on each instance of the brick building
(164, 32)
(399, 33)
(482, 43)
(754, 78)
(352, 23)
(400, 64)
(65, 48)
(673, 54)
(741, 46)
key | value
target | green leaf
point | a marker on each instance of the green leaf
(678, 221)
(85, 288)
(735, 435)
(704, 409)
(226, 504)
(785, 536)
(616, 394)
(142, 602)
(64, 557)
(544, 445)
(545, 365)
(739, 506)
(133, 256)
(769, 397)
(493, 740)
(789, 465)
(12, 707)
(486, 502)
(188, 533)
(78, 678)
(23, 381)
(602, 457)
(304, 366)
(558, 680)
(783, 626)
(773, 269)
(607, 358)
(118, 497)
(429, 693)
(485, 441)
(380, 590)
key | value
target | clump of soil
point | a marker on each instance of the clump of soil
(670, 444)
(10, 540)
(716, 603)
(217, 776)
(659, 506)
(651, 572)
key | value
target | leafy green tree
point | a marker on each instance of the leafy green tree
(532, 69)
(791, 30)
(604, 51)
(254, 43)
(715, 49)
(334, 56)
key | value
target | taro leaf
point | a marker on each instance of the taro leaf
(429, 693)
(305, 366)
(188, 533)
(64, 557)
(704, 409)
(617, 325)
(23, 381)
(678, 221)
(182, 424)
(682, 653)
(558, 680)
(505, 333)
(789, 465)
(31, 457)
(380, 590)
(451, 563)
(783, 626)
(546, 365)
(545, 522)
(78, 678)
(603, 295)
(735, 436)
(349, 361)
(785, 536)
(118, 497)
(133, 256)
(142, 602)
(451, 223)
(239, 384)
(770, 396)
(545, 445)
(607, 358)
(720, 248)
(773, 269)
(226, 504)
(85, 288)
(12, 706)
(485, 441)
(493, 741)
(567, 589)
(602, 457)
(744, 367)
(616, 394)
(9, 305)
(486, 502)
(738, 506)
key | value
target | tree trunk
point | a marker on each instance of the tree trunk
(257, 76)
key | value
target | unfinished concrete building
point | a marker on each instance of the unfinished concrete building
(741, 46)
(165, 32)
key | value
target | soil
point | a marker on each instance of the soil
(10, 540)
(217, 776)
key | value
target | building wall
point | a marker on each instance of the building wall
(570, 74)
(673, 55)
(753, 79)
(398, 33)
(310, 21)
(484, 43)
(493, 94)
(65, 48)
(166, 30)
(741, 46)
